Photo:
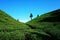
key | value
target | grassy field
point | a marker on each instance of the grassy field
(44, 27)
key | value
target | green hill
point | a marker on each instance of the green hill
(44, 27)
(48, 23)
(11, 29)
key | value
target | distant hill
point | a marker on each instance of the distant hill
(48, 23)
(53, 16)
(6, 19)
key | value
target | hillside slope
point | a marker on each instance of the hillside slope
(48, 23)
(11, 29)
(5, 19)
(37, 29)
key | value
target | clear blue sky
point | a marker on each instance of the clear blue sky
(21, 9)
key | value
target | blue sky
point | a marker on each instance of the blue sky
(21, 9)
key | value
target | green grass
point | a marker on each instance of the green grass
(48, 23)
(37, 29)
(11, 29)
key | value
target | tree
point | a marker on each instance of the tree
(31, 16)
(37, 15)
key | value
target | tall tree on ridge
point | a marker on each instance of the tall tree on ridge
(31, 16)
